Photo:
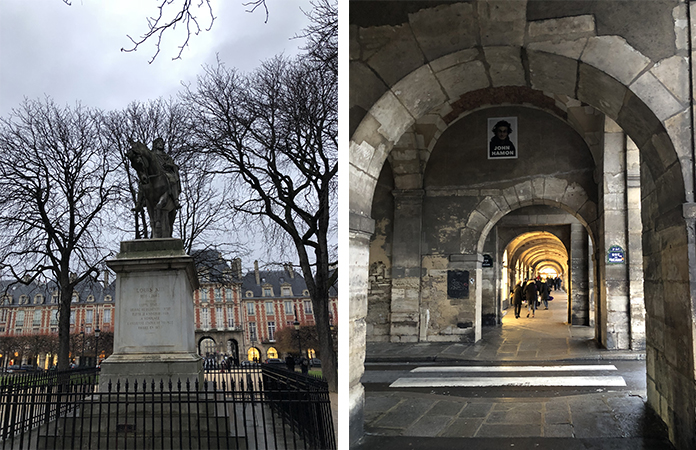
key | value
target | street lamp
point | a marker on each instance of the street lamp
(96, 344)
(82, 355)
(297, 328)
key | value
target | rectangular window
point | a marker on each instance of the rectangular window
(72, 317)
(230, 317)
(250, 309)
(252, 331)
(269, 309)
(3, 315)
(54, 299)
(37, 319)
(107, 316)
(88, 329)
(267, 292)
(205, 318)
(307, 307)
(54, 317)
(89, 316)
(218, 295)
(219, 318)
(271, 331)
(19, 321)
(285, 291)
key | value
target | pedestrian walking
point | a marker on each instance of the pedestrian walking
(544, 293)
(530, 292)
(517, 299)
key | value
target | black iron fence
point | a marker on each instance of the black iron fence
(242, 408)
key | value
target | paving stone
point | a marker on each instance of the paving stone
(462, 427)
(588, 425)
(405, 413)
(514, 417)
(479, 410)
(380, 403)
(509, 431)
(428, 425)
(555, 417)
(445, 408)
(559, 430)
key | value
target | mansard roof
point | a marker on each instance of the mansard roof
(84, 289)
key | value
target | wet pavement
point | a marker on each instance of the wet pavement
(510, 417)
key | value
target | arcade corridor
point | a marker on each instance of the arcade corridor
(493, 139)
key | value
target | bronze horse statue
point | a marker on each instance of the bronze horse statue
(154, 190)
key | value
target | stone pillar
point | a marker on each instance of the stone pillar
(578, 290)
(406, 266)
(470, 311)
(614, 301)
(634, 252)
(361, 229)
(154, 335)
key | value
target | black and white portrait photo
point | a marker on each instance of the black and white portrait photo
(503, 138)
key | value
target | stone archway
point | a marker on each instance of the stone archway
(639, 94)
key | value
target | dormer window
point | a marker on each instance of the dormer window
(38, 299)
(249, 294)
(75, 297)
(23, 300)
(286, 291)
(90, 298)
(107, 298)
(6, 299)
(267, 292)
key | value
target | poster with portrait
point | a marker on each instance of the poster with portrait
(502, 138)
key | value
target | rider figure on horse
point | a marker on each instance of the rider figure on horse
(170, 168)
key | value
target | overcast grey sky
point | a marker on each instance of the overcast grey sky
(73, 53)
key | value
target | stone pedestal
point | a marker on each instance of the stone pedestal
(154, 333)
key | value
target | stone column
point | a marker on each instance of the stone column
(406, 265)
(634, 252)
(578, 290)
(361, 229)
(614, 317)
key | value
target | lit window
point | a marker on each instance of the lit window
(272, 353)
(250, 309)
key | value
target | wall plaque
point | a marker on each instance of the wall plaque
(616, 255)
(487, 261)
(458, 283)
(502, 142)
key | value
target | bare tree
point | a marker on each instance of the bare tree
(274, 132)
(55, 184)
(171, 13)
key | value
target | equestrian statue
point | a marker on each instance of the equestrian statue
(158, 185)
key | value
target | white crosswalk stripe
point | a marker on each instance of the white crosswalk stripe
(544, 379)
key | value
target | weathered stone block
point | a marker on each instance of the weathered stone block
(552, 73)
(505, 66)
(454, 59)
(462, 78)
(615, 57)
(562, 29)
(391, 51)
(597, 88)
(571, 49)
(661, 101)
(419, 91)
(444, 29)
(393, 117)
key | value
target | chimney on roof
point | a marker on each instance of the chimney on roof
(106, 279)
(25, 279)
(256, 272)
(237, 267)
(73, 276)
(290, 270)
